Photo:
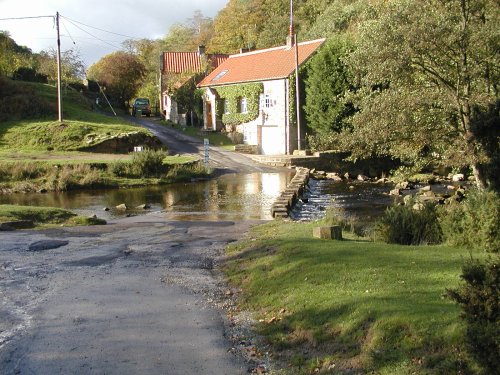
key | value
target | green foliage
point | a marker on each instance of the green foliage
(13, 57)
(120, 73)
(473, 222)
(233, 94)
(424, 64)
(328, 79)
(148, 163)
(480, 302)
(405, 225)
(72, 66)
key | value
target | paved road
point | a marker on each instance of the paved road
(131, 297)
(179, 143)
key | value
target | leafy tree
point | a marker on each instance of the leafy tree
(120, 73)
(72, 66)
(328, 79)
(13, 56)
(428, 67)
(237, 26)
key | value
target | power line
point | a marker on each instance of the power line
(92, 35)
(24, 18)
(96, 28)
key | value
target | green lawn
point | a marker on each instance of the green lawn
(353, 304)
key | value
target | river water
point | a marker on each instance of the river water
(229, 197)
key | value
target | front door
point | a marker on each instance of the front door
(209, 124)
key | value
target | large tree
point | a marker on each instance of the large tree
(328, 80)
(430, 70)
(120, 73)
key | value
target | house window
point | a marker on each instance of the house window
(244, 105)
(265, 101)
(225, 106)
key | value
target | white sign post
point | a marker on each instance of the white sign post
(206, 144)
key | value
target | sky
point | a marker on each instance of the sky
(149, 19)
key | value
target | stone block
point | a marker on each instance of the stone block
(328, 233)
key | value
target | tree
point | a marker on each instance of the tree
(72, 66)
(237, 26)
(427, 67)
(328, 79)
(120, 73)
(13, 56)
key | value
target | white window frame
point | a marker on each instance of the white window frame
(244, 105)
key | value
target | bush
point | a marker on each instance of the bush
(481, 310)
(474, 222)
(149, 163)
(407, 226)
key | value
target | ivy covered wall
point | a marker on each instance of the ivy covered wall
(233, 95)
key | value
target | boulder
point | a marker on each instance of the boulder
(334, 177)
(395, 192)
(362, 177)
(122, 207)
(144, 206)
(328, 233)
(425, 188)
(405, 185)
(458, 177)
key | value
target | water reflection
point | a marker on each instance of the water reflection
(229, 197)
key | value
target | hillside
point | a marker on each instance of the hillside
(28, 113)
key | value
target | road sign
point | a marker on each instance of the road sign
(207, 147)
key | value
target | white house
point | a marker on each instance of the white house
(252, 93)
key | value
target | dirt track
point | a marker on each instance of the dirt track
(133, 297)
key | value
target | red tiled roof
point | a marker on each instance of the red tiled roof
(262, 65)
(188, 62)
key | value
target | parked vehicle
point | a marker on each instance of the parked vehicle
(142, 105)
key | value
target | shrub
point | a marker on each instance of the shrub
(407, 226)
(474, 222)
(481, 311)
(149, 163)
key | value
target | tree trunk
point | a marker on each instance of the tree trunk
(481, 182)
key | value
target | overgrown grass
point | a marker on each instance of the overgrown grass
(353, 306)
(45, 216)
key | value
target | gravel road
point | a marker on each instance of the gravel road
(137, 296)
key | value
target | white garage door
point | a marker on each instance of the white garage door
(272, 141)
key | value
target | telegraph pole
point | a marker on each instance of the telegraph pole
(293, 35)
(59, 97)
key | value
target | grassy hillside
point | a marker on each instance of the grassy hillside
(29, 120)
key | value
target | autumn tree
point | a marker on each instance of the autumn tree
(120, 73)
(429, 69)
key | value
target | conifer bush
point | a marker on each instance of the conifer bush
(479, 300)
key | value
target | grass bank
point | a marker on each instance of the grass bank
(45, 216)
(352, 306)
